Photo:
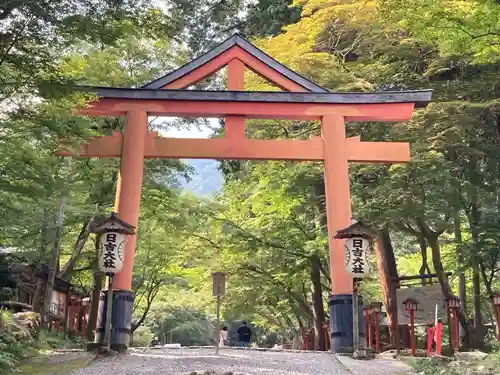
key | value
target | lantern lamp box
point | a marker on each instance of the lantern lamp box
(111, 247)
(113, 231)
(358, 239)
(357, 229)
(113, 223)
(218, 284)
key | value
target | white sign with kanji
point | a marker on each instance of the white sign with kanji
(356, 257)
(112, 245)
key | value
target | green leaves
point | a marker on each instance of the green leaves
(468, 28)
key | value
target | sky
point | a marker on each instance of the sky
(207, 177)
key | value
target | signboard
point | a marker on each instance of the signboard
(356, 257)
(218, 284)
(427, 298)
(111, 252)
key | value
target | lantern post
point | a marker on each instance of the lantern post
(112, 231)
(411, 307)
(358, 240)
(367, 324)
(452, 304)
(325, 330)
(369, 338)
(218, 290)
(496, 302)
(376, 308)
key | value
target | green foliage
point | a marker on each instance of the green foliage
(11, 351)
(267, 17)
(432, 367)
(267, 228)
(14, 342)
(184, 326)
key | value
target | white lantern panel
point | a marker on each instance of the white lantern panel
(356, 257)
(112, 246)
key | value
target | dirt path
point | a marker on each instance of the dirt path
(234, 362)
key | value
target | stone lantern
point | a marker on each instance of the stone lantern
(358, 240)
(113, 232)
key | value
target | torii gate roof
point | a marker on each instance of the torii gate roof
(302, 98)
(228, 44)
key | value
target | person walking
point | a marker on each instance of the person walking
(244, 335)
(224, 337)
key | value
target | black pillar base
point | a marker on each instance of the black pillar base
(341, 327)
(121, 319)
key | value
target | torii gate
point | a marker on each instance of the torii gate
(300, 99)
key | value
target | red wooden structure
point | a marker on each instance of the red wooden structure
(452, 305)
(496, 302)
(411, 307)
(300, 99)
(376, 309)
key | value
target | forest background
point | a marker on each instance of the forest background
(266, 227)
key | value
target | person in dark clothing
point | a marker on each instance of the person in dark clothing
(244, 335)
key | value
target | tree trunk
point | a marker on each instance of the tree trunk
(37, 298)
(461, 274)
(317, 303)
(476, 296)
(94, 305)
(44, 234)
(387, 270)
(433, 241)
(424, 268)
(77, 248)
(473, 217)
(49, 286)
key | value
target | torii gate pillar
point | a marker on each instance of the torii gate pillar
(337, 197)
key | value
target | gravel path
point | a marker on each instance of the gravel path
(237, 362)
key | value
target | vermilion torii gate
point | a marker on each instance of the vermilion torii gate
(299, 100)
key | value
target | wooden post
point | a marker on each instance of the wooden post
(377, 333)
(77, 317)
(430, 340)
(217, 339)
(66, 313)
(327, 345)
(234, 126)
(451, 330)
(71, 318)
(109, 308)
(439, 336)
(365, 316)
(370, 339)
(355, 316)
(84, 321)
(412, 328)
(456, 331)
(498, 322)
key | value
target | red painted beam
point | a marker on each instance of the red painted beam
(247, 149)
(387, 112)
